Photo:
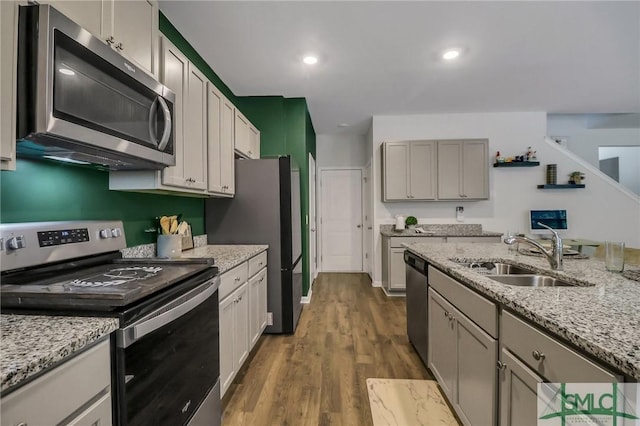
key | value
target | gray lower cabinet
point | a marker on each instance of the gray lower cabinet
(462, 357)
(77, 392)
(393, 272)
(518, 391)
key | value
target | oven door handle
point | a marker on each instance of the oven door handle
(129, 335)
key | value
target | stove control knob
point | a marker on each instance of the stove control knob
(116, 232)
(105, 233)
(15, 243)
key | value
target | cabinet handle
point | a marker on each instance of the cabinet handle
(447, 314)
(120, 46)
(239, 299)
(452, 318)
(110, 41)
(261, 279)
(538, 356)
(501, 365)
(236, 279)
(358, 226)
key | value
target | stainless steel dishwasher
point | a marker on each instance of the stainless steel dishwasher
(417, 283)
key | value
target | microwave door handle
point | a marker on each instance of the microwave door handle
(152, 121)
(166, 133)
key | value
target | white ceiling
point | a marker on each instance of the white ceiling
(383, 58)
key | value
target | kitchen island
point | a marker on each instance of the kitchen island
(599, 315)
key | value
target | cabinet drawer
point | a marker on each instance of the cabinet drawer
(60, 392)
(232, 279)
(398, 241)
(479, 309)
(257, 262)
(559, 363)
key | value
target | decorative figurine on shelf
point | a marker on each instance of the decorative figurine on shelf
(576, 177)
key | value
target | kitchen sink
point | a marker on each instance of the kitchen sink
(497, 268)
(531, 281)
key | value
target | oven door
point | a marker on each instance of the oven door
(168, 362)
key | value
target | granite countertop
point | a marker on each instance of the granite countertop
(26, 352)
(226, 256)
(602, 319)
(454, 230)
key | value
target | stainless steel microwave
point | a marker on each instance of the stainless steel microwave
(82, 102)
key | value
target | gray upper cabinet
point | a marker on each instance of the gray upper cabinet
(435, 170)
(8, 76)
(463, 170)
(409, 171)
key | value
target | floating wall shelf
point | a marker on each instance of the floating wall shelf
(518, 164)
(564, 186)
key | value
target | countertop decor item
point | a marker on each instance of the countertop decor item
(411, 221)
(576, 177)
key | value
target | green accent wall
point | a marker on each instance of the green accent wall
(47, 190)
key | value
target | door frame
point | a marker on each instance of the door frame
(313, 223)
(319, 208)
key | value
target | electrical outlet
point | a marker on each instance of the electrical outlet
(460, 213)
(269, 318)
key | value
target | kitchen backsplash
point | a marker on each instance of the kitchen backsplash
(149, 250)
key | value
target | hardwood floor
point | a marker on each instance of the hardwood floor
(317, 376)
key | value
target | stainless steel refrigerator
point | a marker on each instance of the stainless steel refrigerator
(266, 210)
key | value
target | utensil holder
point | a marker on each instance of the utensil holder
(169, 246)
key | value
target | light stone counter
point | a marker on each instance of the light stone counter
(439, 230)
(32, 343)
(603, 320)
(226, 257)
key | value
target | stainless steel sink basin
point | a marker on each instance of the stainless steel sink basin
(531, 281)
(507, 269)
(497, 268)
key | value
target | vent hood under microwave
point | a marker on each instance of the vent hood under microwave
(82, 102)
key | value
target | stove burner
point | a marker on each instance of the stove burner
(118, 276)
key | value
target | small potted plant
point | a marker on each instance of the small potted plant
(576, 177)
(411, 222)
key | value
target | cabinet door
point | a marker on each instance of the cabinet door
(262, 300)
(195, 130)
(241, 342)
(227, 337)
(135, 30)
(475, 175)
(214, 141)
(442, 343)
(254, 310)
(396, 178)
(477, 387)
(241, 143)
(518, 392)
(254, 142)
(173, 74)
(449, 170)
(422, 166)
(227, 162)
(8, 40)
(397, 279)
(93, 15)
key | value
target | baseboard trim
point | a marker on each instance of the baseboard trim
(376, 283)
(305, 300)
(394, 293)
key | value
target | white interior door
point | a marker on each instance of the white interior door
(341, 220)
(313, 257)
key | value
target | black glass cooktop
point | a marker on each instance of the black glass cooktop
(120, 282)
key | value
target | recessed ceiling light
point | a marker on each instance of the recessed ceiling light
(310, 60)
(450, 54)
(343, 125)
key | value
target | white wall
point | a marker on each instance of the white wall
(598, 212)
(341, 151)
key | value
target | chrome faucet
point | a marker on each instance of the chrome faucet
(554, 256)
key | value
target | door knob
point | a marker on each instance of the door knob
(359, 226)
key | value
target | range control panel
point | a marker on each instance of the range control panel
(37, 243)
(66, 236)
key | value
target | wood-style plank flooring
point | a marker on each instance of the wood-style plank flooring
(317, 376)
